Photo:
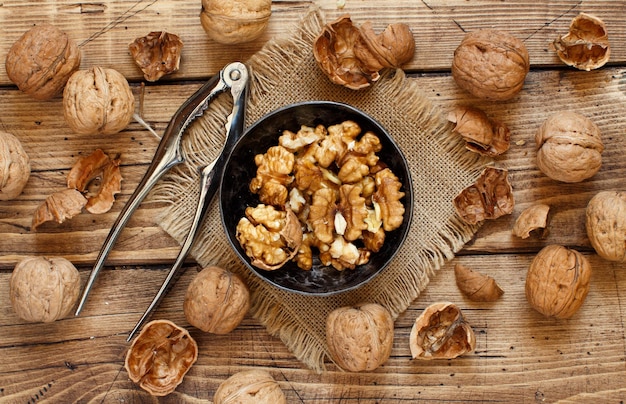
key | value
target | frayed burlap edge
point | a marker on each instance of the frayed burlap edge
(281, 312)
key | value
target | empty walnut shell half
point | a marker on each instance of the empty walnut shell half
(490, 197)
(441, 332)
(254, 386)
(59, 206)
(482, 134)
(586, 45)
(157, 54)
(606, 224)
(557, 281)
(160, 356)
(532, 219)
(476, 286)
(491, 64)
(42, 60)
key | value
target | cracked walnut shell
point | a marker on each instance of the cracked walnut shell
(557, 281)
(216, 301)
(253, 386)
(98, 101)
(235, 21)
(569, 147)
(606, 224)
(42, 60)
(532, 219)
(441, 332)
(360, 337)
(477, 286)
(97, 166)
(491, 64)
(160, 356)
(14, 167)
(157, 54)
(482, 134)
(490, 197)
(586, 45)
(44, 289)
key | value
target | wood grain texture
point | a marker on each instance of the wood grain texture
(520, 356)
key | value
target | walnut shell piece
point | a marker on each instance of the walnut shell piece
(482, 134)
(557, 281)
(606, 224)
(491, 64)
(59, 206)
(106, 170)
(14, 167)
(160, 356)
(441, 332)
(490, 197)
(360, 338)
(157, 54)
(98, 101)
(44, 289)
(476, 286)
(42, 60)
(254, 386)
(531, 219)
(236, 21)
(569, 147)
(216, 301)
(586, 45)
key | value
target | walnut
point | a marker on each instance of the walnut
(157, 54)
(476, 286)
(235, 21)
(297, 141)
(532, 219)
(59, 206)
(360, 337)
(322, 214)
(42, 60)
(441, 332)
(482, 134)
(14, 167)
(253, 386)
(491, 64)
(98, 101)
(606, 224)
(97, 166)
(569, 147)
(353, 56)
(586, 45)
(346, 255)
(160, 356)
(490, 197)
(273, 174)
(44, 289)
(557, 281)
(387, 196)
(269, 237)
(216, 300)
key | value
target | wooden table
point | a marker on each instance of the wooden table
(520, 356)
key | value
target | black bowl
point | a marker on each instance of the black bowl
(235, 195)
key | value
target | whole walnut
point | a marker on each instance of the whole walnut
(14, 167)
(606, 224)
(360, 337)
(235, 21)
(98, 101)
(569, 147)
(254, 386)
(491, 64)
(216, 300)
(44, 289)
(557, 281)
(42, 60)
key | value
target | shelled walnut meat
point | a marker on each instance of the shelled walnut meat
(14, 167)
(482, 134)
(42, 60)
(491, 64)
(98, 101)
(441, 332)
(235, 21)
(360, 338)
(216, 301)
(586, 45)
(569, 147)
(557, 281)
(157, 54)
(44, 289)
(353, 56)
(160, 356)
(606, 224)
(254, 386)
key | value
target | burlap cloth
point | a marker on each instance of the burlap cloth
(284, 72)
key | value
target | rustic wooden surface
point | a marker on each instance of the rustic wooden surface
(520, 356)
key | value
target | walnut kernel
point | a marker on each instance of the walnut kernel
(606, 224)
(59, 206)
(14, 167)
(586, 45)
(254, 386)
(235, 22)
